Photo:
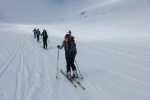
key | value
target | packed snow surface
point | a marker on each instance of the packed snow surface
(113, 50)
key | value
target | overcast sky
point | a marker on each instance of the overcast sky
(39, 11)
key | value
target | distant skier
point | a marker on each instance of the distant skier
(35, 31)
(38, 34)
(45, 36)
(70, 53)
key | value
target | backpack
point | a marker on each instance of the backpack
(45, 34)
(35, 31)
(71, 45)
(38, 32)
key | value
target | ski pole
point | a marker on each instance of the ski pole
(78, 69)
(49, 44)
(57, 64)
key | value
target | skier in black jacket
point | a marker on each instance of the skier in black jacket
(70, 53)
(35, 31)
(45, 37)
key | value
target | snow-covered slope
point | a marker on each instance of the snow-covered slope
(37, 11)
(112, 38)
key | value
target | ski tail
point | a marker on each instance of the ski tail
(68, 78)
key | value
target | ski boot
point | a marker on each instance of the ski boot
(75, 75)
(68, 74)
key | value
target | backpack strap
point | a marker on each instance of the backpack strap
(66, 42)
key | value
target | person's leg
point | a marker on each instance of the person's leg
(68, 65)
(75, 75)
(46, 43)
(72, 58)
(37, 37)
(68, 73)
(72, 65)
(43, 43)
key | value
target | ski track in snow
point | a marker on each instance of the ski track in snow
(9, 61)
(120, 65)
(123, 69)
(113, 52)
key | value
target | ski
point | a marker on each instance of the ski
(67, 78)
(81, 86)
(44, 48)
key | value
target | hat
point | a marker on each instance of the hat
(69, 32)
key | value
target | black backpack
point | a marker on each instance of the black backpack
(45, 34)
(71, 44)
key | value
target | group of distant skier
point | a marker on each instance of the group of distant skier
(69, 46)
(37, 34)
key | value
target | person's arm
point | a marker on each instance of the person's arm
(63, 44)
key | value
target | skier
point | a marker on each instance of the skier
(70, 53)
(38, 34)
(35, 31)
(45, 36)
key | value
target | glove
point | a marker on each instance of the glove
(58, 46)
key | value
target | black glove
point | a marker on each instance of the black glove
(58, 46)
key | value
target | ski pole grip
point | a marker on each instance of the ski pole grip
(58, 46)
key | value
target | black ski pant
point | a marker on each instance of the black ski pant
(45, 43)
(70, 61)
(37, 37)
